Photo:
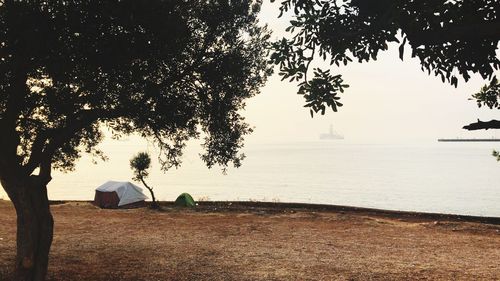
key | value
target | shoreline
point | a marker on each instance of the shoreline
(283, 207)
(259, 241)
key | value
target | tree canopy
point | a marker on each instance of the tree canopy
(452, 39)
(161, 69)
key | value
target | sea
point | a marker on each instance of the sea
(451, 178)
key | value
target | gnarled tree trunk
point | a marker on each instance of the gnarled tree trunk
(34, 227)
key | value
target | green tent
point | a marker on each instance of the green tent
(185, 200)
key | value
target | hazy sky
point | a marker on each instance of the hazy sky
(389, 100)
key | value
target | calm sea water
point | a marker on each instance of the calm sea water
(457, 178)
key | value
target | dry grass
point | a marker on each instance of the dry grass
(95, 244)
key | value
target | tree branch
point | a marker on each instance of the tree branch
(480, 125)
(47, 142)
(36, 153)
(15, 98)
(9, 138)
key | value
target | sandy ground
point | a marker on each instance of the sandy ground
(258, 244)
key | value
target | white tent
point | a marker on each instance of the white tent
(127, 192)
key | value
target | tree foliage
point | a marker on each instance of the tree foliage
(452, 39)
(489, 95)
(165, 69)
(140, 164)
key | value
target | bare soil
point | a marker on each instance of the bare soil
(268, 243)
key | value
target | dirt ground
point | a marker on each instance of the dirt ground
(258, 244)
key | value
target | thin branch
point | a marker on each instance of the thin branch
(309, 62)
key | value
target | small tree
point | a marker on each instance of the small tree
(140, 164)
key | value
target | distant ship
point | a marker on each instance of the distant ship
(332, 135)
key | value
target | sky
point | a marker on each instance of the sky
(389, 100)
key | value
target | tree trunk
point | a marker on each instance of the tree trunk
(154, 204)
(34, 228)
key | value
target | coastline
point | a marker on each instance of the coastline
(283, 207)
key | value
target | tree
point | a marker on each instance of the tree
(168, 70)
(450, 38)
(140, 164)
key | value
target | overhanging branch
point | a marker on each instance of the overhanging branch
(480, 125)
